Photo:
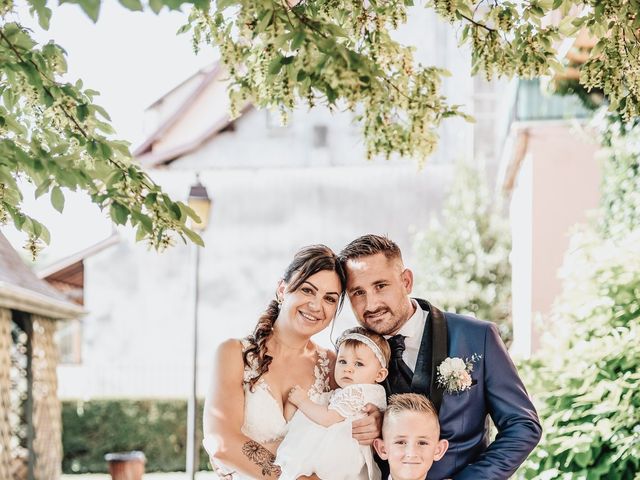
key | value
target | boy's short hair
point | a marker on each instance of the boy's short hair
(376, 338)
(409, 402)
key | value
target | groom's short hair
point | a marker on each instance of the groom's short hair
(370, 244)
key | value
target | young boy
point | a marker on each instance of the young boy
(410, 437)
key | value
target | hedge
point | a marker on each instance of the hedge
(156, 427)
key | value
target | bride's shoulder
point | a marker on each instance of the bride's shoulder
(230, 350)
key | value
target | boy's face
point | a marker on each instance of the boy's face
(410, 444)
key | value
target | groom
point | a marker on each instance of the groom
(421, 337)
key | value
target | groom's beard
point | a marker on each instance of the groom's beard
(384, 325)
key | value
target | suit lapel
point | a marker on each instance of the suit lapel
(433, 351)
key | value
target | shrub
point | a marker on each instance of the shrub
(586, 376)
(156, 427)
(465, 257)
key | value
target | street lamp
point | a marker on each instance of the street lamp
(200, 202)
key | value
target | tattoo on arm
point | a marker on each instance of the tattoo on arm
(261, 457)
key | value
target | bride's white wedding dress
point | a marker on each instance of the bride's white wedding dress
(264, 420)
(331, 452)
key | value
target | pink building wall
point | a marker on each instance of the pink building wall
(557, 183)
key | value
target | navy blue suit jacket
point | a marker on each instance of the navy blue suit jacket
(497, 391)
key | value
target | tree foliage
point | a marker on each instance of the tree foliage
(342, 53)
(338, 52)
(586, 376)
(465, 256)
(53, 135)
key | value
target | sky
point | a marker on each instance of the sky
(132, 59)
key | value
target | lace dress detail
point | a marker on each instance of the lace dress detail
(349, 401)
(331, 452)
(264, 420)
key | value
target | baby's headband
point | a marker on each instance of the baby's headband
(368, 342)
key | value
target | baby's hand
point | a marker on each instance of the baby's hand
(297, 395)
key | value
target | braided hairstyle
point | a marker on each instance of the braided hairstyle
(307, 262)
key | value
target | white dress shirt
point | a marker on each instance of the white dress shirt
(412, 331)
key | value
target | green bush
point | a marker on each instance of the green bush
(621, 175)
(465, 257)
(586, 376)
(156, 427)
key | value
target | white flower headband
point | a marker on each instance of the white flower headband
(368, 342)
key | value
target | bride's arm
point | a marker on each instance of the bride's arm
(224, 416)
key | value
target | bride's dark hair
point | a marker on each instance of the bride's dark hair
(307, 262)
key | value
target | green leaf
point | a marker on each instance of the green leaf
(101, 111)
(298, 39)
(184, 29)
(119, 213)
(144, 220)
(265, 20)
(134, 5)
(44, 13)
(34, 227)
(90, 7)
(275, 66)
(105, 149)
(9, 99)
(141, 233)
(82, 111)
(57, 199)
(43, 188)
(156, 5)
(194, 237)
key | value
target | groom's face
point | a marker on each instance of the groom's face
(378, 289)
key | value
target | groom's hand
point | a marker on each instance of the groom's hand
(367, 429)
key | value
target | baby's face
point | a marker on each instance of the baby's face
(410, 444)
(357, 364)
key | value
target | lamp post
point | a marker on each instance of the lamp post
(200, 202)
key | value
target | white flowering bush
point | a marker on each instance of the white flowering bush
(463, 257)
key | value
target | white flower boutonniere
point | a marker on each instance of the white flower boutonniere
(454, 374)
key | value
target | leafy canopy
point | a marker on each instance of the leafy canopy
(53, 135)
(340, 53)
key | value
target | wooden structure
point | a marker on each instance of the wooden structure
(30, 422)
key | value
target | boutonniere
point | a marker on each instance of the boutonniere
(454, 374)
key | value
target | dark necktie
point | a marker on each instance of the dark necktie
(400, 375)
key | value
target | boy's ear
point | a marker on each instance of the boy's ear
(381, 450)
(382, 374)
(441, 449)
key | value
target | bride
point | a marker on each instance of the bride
(246, 411)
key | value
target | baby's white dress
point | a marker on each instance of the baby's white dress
(331, 452)
(264, 421)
